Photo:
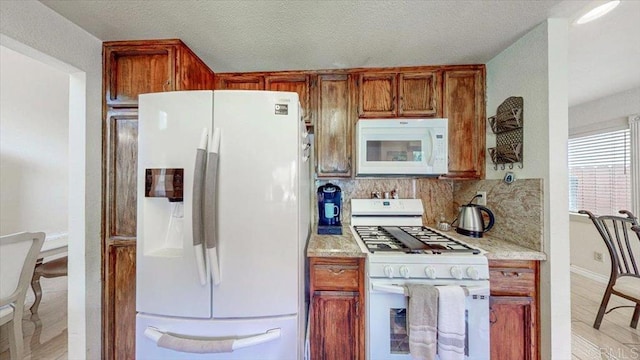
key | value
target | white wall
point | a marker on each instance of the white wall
(611, 112)
(34, 126)
(608, 113)
(535, 67)
(33, 29)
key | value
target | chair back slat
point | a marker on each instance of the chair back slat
(615, 230)
(630, 251)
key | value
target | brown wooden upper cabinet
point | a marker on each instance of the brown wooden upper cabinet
(239, 82)
(137, 67)
(298, 83)
(131, 68)
(277, 81)
(334, 124)
(464, 106)
(393, 94)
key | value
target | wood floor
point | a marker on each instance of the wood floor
(615, 339)
(47, 338)
(44, 338)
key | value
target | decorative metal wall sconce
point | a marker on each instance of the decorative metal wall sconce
(508, 124)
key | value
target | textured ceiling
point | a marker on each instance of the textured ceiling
(243, 36)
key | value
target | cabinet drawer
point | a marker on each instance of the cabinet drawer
(512, 281)
(335, 277)
(336, 274)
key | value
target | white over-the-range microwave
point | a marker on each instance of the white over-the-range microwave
(402, 147)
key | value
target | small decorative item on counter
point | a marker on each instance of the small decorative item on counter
(443, 224)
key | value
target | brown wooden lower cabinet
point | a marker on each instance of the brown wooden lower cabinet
(120, 300)
(513, 309)
(337, 308)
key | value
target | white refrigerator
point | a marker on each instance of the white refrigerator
(223, 220)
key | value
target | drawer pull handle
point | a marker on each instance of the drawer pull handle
(511, 274)
(337, 272)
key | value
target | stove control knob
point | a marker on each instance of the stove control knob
(404, 271)
(430, 271)
(472, 273)
(456, 272)
(388, 270)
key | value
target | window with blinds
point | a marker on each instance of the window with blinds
(600, 173)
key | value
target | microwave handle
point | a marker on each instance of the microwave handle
(396, 289)
(433, 148)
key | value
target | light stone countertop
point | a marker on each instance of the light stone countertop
(345, 245)
(498, 249)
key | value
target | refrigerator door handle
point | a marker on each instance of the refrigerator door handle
(197, 211)
(184, 343)
(210, 210)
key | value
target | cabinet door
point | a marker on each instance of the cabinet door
(120, 162)
(119, 218)
(377, 95)
(513, 328)
(334, 126)
(419, 94)
(298, 83)
(334, 330)
(119, 317)
(130, 70)
(464, 106)
(240, 82)
(193, 73)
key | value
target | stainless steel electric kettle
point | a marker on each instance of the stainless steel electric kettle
(470, 220)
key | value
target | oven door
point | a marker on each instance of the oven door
(387, 336)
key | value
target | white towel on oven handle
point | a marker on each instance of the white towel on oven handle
(451, 322)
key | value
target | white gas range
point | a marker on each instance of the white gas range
(401, 251)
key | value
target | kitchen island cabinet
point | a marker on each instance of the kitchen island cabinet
(337, 308)
(514, 309)
(131, 68)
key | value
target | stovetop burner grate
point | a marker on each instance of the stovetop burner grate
(410, 240)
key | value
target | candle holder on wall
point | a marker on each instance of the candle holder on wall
(508, 124)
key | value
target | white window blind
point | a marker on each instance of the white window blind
(600, 173)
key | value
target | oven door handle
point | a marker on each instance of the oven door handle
(396, 289)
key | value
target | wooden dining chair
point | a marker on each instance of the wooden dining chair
(18, 254)
(622, 238)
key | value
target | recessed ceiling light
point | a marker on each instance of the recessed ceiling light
(598, 12)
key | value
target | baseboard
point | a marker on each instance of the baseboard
(590, 274)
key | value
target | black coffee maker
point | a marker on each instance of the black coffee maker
(329, 209)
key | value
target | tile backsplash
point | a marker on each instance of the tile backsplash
(517, 207)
